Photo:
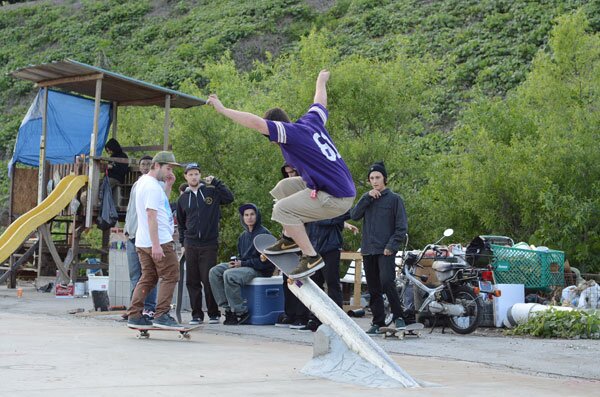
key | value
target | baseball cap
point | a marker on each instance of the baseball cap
(165, 158)
(192, 166)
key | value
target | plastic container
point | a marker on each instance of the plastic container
(264, 296)
(97, 283)
(537, 270)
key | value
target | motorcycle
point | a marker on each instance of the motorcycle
(455, 298)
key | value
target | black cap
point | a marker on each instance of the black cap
(191, 166)
(378, 166)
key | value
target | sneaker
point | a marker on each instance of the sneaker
(311, 326)
(282, 246)
(196, 321)
(167, 322)
(230, 318)
(307, 266)
(297, 324)
(139, 323)
(242, 318)
(214, 320)
(374, 331)
(283, 321)
(149, 314)
(399, 323)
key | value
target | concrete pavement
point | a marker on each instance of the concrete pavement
(45, 351)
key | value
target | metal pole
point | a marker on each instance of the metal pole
(92, 166)
(167, 122)
(42, 160)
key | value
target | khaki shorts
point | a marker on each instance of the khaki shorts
(294, 206)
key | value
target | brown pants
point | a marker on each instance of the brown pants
(167, 269)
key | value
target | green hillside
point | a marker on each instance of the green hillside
(472, 104)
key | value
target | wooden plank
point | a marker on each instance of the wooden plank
(45, 232)
(147, 148)
(159, 100)
(167, 122)
(115, 108)
(92, 168)
(357, 258)
(73, 79)
(42, 158)
(20, 261)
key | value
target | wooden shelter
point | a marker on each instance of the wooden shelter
(102, 85)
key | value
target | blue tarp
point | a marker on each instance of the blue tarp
(68, 133)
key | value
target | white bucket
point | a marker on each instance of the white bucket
(79, 289)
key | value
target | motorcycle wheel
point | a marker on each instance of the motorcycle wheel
(469, 322)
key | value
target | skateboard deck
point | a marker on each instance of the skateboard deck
(144, 333)
(410, 330)
(285, 262)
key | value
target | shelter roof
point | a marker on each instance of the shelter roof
(77, 77)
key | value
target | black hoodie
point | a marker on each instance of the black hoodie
(384, 224)
(198, 214)
(247, 254)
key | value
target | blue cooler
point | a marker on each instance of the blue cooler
(265, 299)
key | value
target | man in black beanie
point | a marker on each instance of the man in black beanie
(384, 228)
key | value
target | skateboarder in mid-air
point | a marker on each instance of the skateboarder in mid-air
(325, 189)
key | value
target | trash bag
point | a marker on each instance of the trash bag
(108, 215)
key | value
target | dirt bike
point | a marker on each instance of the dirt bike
(455, 299)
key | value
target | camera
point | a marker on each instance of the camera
(233, 258)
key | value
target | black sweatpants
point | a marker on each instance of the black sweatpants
(198, 262)
(380, 272)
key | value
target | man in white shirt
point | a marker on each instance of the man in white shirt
(154, 244)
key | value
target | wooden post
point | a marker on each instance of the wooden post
(115, 107)
(42, 159)
(357, 280)
(167, 122)
(92, 165)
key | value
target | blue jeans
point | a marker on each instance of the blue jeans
(226, 284)
(135, 272)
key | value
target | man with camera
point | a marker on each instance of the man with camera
(227, 279)
(198, 215)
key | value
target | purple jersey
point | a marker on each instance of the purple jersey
(307, 146)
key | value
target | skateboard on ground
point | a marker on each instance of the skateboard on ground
(410, 330)
(285, 262)
(183, 333)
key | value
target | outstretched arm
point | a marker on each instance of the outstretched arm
(245, 119)
(321, 90)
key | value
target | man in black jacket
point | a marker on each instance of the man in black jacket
(198, 215)
(384, 228)
(227, 279)
(326, 237)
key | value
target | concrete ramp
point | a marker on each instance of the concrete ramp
(352, 335)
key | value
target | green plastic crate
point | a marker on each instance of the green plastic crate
(537, 270)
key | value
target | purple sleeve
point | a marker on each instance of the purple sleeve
(284, 133)
(317, 115)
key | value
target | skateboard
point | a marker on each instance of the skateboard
(285, 262)
(410, 330)
(183, 333)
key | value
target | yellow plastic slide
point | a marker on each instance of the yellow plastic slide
(20, 229)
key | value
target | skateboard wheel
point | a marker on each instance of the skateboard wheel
(290, 281)
(180, 336)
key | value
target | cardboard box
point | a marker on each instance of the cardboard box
(65, 291)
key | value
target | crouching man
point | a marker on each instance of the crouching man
(227, 279)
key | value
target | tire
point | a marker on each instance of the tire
(469, 322)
